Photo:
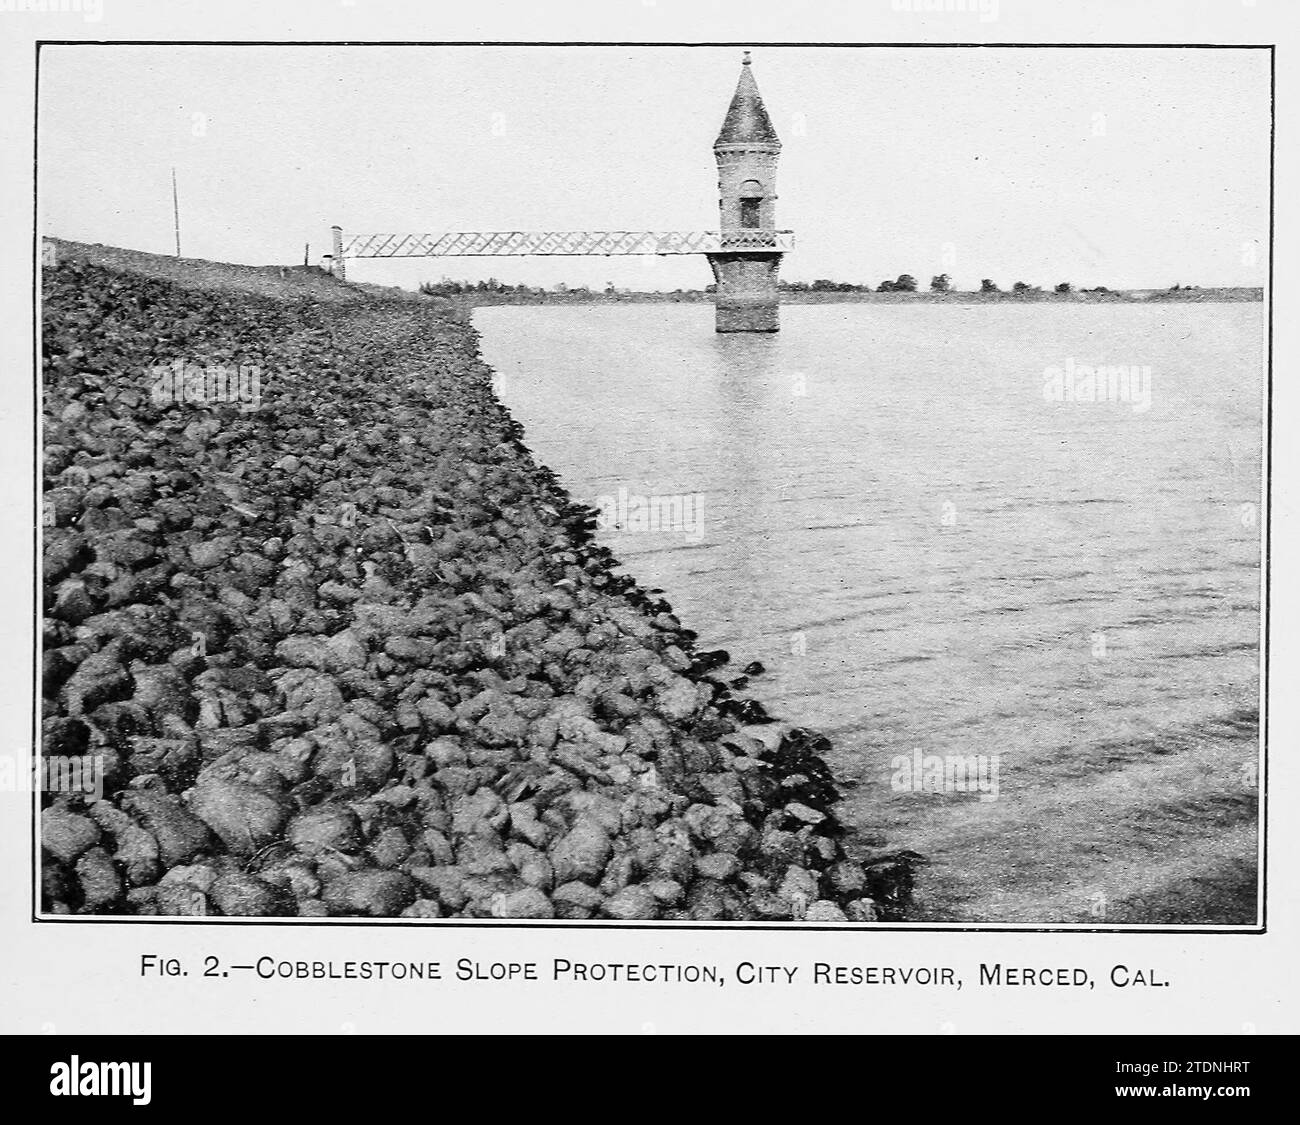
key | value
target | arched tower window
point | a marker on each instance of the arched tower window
(751, 198)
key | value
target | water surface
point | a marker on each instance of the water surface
(929, 554)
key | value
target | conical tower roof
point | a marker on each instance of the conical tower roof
(747, 121)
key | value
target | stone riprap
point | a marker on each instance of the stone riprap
(353, 653)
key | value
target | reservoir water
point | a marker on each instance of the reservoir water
(941, 545)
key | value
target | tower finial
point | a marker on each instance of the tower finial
(745, 61)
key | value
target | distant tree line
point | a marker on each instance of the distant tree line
(904, 283)
(822, 285)
(940, 283)
(449, 288)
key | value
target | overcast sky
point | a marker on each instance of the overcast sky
(1129, 168)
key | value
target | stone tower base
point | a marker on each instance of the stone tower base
(747, 298)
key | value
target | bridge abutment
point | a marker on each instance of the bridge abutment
(747, 299)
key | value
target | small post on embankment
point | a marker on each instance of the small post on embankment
(340, 270)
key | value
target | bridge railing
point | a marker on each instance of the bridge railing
(755, 240)
(476, 244)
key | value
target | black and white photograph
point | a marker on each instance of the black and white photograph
(728, 492)
(648, 518)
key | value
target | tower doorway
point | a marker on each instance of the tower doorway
(751, 199)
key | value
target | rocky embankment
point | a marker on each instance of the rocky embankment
(354, 653)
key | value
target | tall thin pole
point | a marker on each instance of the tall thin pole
(176, 212)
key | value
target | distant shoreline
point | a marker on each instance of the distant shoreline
(696, 296)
